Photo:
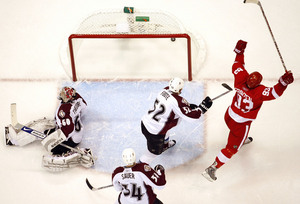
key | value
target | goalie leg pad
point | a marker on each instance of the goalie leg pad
(58, 163)
(53, 140)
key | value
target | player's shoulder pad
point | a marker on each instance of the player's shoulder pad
(64, 110)
(178, 98)
(260, 88)
(143, 167)
(118, 170)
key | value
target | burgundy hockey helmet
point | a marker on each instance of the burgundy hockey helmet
(66, 94)
(254, 80)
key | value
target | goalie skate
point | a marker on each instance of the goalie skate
(6, 135)
(87, 160)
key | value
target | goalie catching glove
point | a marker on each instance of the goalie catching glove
(205, 104)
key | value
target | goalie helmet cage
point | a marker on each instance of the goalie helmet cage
(136, 24)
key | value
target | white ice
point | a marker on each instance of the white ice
(267, 171)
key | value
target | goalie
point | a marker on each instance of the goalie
(60, 136)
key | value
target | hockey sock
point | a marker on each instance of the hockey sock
(219, 163)
(223, 156)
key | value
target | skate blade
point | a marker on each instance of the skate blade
(206, 175)
(248, 140)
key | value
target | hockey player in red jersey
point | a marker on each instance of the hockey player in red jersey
(136, 181)
(246, 103)
(169, 109)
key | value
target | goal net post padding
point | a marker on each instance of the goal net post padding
(132, 44)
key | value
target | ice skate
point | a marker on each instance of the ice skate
(89, 152)
(169, 144)
(6, 135)
(210, 172)
(248, 140)
(87, 159)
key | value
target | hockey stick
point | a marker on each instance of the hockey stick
(228, 90)
(93, 188)
(18, 126)
(265, 17)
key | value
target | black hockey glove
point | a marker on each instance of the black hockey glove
(159, 169)
(205, 104)
(193, 106)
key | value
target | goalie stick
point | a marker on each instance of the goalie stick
(269, 27)
(93, 188)
(18, 126)
(228, 90)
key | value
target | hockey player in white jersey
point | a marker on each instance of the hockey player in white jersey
(136, 181)
(169, 108)
(65, 129)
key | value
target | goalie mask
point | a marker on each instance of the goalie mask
(254, 80)
(128, 156)
(176, 85)
(66, 94)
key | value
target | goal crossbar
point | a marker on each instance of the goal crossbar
(124, 36)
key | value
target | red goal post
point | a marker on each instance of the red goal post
(139, 24)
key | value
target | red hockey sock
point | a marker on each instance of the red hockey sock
(219, 163)
(223, 157)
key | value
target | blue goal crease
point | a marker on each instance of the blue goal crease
(113, 117)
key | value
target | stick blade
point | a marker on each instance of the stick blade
(227, 86)
(89, 185)
(251, 1)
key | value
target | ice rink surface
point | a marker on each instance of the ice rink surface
(112, 122)
(267, 171)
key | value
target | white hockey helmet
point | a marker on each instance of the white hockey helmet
(176, 85)
(128, 156)
(66, 94)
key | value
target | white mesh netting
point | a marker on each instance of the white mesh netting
(162, 58)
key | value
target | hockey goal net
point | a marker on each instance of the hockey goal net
(132, 44)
